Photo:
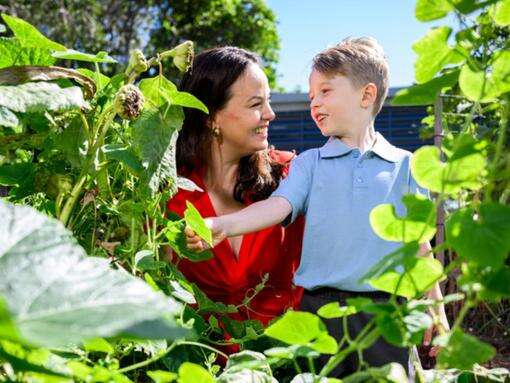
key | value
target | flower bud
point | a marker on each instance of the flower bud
(137, 63)
(182, 54)
(128, 102)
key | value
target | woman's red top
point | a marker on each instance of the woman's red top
(225, 278)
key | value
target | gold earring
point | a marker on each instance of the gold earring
(215, 131)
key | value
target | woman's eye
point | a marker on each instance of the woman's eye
(324, 91)
(256, 105)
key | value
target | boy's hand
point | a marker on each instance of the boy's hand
(195, 243)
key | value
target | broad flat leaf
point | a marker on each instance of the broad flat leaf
(291, 352)
(187, 184)
(450, 177)
(71, 54)
(123, 154)
(186, 99)
(12, 53)
(29, 36)
(144, 261)
(427, 10)
(418, 276)
(426, 93)
(481, 237)
(41, 96)
(20, 364)
(462, 351)
(177, 241)
(391, 373)
(8, 118)
(8, 329)
(160, 376)
(418, 225)
(334, 310)
(16, 174)
(99, 79)
(392, 261)
(486, 86)
(154, 138)
(98, 345)
(193, 373)
(501, 13)
(433, 54)
(195, 221)
(57, 295)
(304, 329)
(246, 376)
(248, 359)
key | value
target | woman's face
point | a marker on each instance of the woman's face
(244, 120)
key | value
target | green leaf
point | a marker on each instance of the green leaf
(391, 261)
(29, 36)
(12, 53)
(177, 241)
(427, 10)
(187, 100)
(426, 93)
(16, 174)
(187, 184)
(193, 373)
(433, 54)
(391, 373)
(418, 276)
(334, 310)
(302, 328)
(154, 138)
(246, 375)
(482, 236)
(195, 221)
(454, 355)
(457, 173)
(58, 295)
(71, 54)
(124, 154)
(501, 13)
(160, 376)
(8, 118)
(8, 329)
(486, 85)
(418, 225)
(144, 261)
(98, 345)
(20, 364)
(100, 79)
(41, 96)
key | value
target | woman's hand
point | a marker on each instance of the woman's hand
(195, 243)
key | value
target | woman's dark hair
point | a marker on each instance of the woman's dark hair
(211, 76)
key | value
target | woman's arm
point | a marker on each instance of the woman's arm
(255, 217)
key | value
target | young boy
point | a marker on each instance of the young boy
(335, 187)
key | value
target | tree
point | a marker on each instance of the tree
(119, 26)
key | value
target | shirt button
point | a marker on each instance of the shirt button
(359, 179)
(359, 165)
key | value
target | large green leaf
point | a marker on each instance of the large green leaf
(8, 118)
(433, 54)
(463, 170)
(501, 13)
(193, 373)
(41, 96)
(427, 10)
(159, 90)
(71, 54)
(462, 351)
(12, 53)
(426, 93)
(417, 225)
(29, 36)
(154, 138)
(486, 85)
(8, 329)
(57, 295)
(177, 241)
(418, 276)
(304, 329)
(481, 236)
(195, 221)
(123, 154)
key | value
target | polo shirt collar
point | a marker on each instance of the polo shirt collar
(334, 147)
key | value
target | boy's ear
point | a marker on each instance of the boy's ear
(369, 95)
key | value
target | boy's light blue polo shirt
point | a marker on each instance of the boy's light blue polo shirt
(336, 187)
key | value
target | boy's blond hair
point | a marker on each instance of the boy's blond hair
(361, 60)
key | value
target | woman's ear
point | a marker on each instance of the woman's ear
(369, 95)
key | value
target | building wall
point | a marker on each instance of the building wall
(294, 129)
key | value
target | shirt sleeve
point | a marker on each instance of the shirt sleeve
(296, 186)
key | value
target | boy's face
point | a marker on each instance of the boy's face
(336, 104)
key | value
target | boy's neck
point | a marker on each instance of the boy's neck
(363, 138)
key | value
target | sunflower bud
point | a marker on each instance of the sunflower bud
(182, 54)
(137, 63)
(129, 102)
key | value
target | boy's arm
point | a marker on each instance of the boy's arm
(255, 217)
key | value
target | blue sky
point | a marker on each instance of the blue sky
(308, 26)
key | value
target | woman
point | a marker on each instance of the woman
(226, 154)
